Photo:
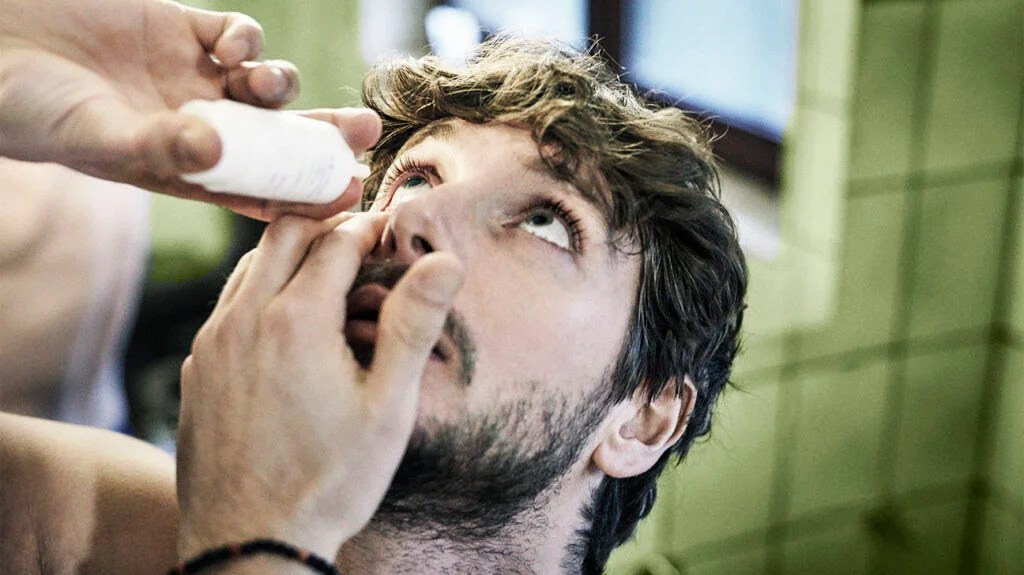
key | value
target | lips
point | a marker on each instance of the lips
(362, 314)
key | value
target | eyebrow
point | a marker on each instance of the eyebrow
(442, 130)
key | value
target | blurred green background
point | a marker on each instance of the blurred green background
(877, 422)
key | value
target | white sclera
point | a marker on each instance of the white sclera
(274, 155)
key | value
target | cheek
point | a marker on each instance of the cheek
(535, 333)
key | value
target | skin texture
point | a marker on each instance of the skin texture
(94, 84)
(81, 500)
(285, 434)
(323, 395)
(544, 340)
(267, 437)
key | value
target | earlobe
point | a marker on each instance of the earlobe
(639, 431)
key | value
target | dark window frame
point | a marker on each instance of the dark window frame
(607, 21)
(736, 145)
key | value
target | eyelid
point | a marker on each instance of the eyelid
(572, 222)
(405, 166)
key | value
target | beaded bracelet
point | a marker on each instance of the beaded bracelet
(226, 553)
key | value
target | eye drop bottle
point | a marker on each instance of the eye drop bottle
(274, 155)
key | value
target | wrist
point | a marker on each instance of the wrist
(254, 557)
(195, 537)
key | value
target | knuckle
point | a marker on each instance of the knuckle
(249, 24)
(245, 261)
(222, 333)
(282, 320)
(241, 21)
(339, 239)
(290, 226)
(186, 366)
(203, 343)
(187, 372)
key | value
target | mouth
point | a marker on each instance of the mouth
(361, 325)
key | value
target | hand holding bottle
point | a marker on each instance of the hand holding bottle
(96, 84)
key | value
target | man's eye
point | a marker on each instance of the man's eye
(414, 181)
(547, 225)
(409, 187)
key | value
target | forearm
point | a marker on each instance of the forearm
(81, 500)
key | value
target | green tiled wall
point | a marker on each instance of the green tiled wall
(888, 438)
(838, 424)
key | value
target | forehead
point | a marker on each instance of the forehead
(477, 139)
(498, 148)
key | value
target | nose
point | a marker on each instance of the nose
(416, 228)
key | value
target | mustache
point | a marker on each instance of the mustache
(387, 273)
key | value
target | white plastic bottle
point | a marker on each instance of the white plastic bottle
(274, 155)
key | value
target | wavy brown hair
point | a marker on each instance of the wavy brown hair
(649, 170)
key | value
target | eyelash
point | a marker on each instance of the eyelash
(559, 209)
(405, 166)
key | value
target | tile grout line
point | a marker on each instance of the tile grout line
(822, 520)
(781, 460)
(924, 92)
(995, 370)
(786, 415)
(891, 350)
(866, 186)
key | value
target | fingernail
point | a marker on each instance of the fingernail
(278, 83)
(186, 154)
(244, 48)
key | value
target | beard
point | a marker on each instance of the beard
(471, 479)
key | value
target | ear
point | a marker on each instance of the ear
(639, 432)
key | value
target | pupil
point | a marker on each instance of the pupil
(541, 219)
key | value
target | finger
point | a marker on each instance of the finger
(232, 37)
(346, 200)
(410, 324)
(255, 208)
(326, 275)
(104, 137)
(269, 84)
(187, 373)
(361, 127)
(227, 293)
(171, 143)
(284, 244)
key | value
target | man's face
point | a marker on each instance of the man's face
(546, 301)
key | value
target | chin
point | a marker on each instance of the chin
(440, 394)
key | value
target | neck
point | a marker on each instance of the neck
(537, 541)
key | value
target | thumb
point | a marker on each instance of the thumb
(410, 324)
(128, 145)
(171, 143)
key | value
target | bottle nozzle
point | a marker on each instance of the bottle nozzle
(360, 171)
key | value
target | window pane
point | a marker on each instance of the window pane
(564, 20)
(733, 58)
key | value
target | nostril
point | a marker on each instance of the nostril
(421, 245)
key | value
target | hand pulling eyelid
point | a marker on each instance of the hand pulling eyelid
(274, 155)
